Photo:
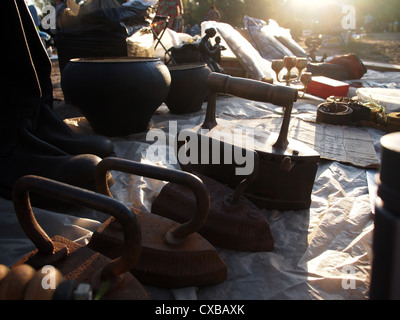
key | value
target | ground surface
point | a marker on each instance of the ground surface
(378, 47)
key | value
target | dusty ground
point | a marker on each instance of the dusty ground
(378, 47)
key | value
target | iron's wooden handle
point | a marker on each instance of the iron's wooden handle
(84, 198)
(164, 174)
(252, 89)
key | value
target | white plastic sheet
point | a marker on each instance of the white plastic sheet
(257, 67)
(320, 253)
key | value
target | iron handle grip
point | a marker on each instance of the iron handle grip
(84, 198)
(252, 89)
(163, 174)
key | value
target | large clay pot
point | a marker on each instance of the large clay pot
(118, 96)
(188, 87)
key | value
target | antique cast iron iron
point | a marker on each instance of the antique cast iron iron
(173, 254)
(287, 167)
(74, 261)
(233, 221)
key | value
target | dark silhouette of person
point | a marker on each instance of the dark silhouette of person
(213, 14)
(217, 47)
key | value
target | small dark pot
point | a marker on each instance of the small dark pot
(118, 96)
(188, 87)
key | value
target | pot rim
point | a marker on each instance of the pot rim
(186, 66)
(122, 59)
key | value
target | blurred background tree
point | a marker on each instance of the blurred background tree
(232, 11)
(286, 11)
(384, 12)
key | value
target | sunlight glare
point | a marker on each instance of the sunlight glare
(312, 5)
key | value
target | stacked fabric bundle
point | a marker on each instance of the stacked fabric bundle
(270, 40)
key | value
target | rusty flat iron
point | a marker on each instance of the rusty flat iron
(109, 278)
(233, 221)
(287, 167)
(173, 255)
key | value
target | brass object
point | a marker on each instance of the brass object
(290, 62)
(393, 122)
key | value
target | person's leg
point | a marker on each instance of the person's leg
(22, 153)
(49, 127)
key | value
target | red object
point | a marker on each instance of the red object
(352, 63)
(324, 87)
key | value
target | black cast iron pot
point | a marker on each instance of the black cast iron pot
(188, 87)
(118, 96)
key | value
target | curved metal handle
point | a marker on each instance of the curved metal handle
(84, 198)
(164, 174)
(252, 90)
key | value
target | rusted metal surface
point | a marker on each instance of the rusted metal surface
(233, 222)
(173, 254)
(23, 282)
(73, 260)
(15, 282)
(287, 167)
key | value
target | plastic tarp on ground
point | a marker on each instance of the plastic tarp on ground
(320, 253)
